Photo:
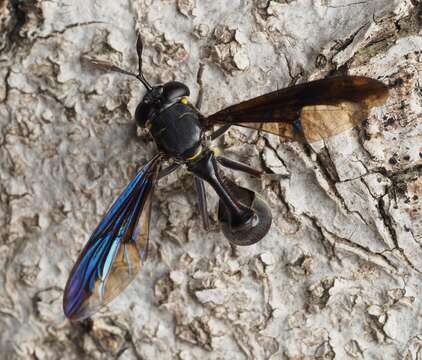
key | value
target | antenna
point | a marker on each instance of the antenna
(103, 65)
(139, 49)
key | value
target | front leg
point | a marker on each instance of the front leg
(168, 170)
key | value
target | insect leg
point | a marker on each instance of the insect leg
(168, 170)
(244, 216)
(202, 201)
(236, 165)
(201, 91)
(206, 167)
(220, 131)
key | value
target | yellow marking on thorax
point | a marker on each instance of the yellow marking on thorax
(193, 157)
(216, 150)
(184, 100)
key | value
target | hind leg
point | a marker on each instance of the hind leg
(202, 201)
(236, 165)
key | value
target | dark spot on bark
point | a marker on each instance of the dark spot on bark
(393, 161)
(366, 136)
(401, 188)
(397, 83)
(308, 151)
(402, 105)
(389, 121)
(406, 157)
(320, 61)
(70, 113)
(19, 11)
(86, 325)
(128, 336)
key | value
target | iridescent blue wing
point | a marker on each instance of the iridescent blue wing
(115, 251)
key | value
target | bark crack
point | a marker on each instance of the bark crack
(66, 28)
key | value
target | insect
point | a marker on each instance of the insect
(118, 246)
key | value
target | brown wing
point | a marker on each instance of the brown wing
(314, 110)
(285, 130)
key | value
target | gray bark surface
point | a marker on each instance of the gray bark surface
(339, 274)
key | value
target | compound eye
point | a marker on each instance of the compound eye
(142, 114)
(184, 100)
(173, 91)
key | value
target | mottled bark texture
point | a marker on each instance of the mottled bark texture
(338, 276)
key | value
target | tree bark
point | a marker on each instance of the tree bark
(339, 274)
